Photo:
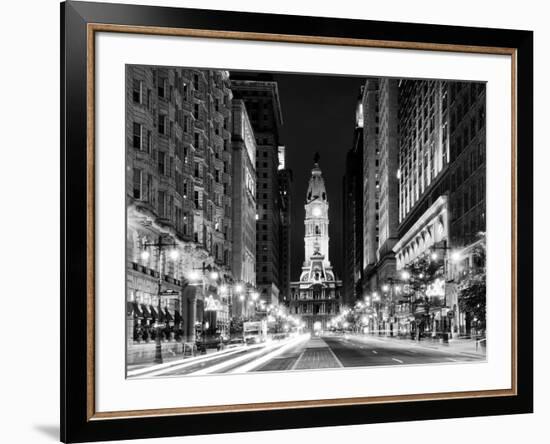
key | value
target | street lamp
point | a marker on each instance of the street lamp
(159, 245)
(454, 257)
(198, 275)
(391, 287)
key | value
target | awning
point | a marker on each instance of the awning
(154, 314)
(134, 310)
(129, 309)
(145, 311)
(167, 315)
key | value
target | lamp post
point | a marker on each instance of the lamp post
(454, 257)
(199, 274)
(390, 288)
(160, 246)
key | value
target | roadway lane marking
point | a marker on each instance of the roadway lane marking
(264, 359)
(297, 360)
(221, 367)
(375, 352)
(159, 369)
(397, 360)
(335, 357)
(451, 359)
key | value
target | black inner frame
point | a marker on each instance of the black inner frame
(74, 424)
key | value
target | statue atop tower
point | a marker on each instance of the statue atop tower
(316, 157)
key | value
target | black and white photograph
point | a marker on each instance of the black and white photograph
(282, 222)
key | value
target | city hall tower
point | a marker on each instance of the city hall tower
(316, 296)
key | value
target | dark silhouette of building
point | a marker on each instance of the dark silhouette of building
(285, 184)
(352, 189)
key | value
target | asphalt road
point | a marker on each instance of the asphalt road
(369, 351)
(304, 353)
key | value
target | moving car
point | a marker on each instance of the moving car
(235, 342)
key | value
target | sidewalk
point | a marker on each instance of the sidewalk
(462, 346)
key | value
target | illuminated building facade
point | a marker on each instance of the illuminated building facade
(316, 297)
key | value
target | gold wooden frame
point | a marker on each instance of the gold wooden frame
(92, 29)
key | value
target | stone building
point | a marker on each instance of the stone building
(261, 97)
(178, 182)
(442, 155)
(244, 205)
(442, 181)
(316, 296)
(423, 184)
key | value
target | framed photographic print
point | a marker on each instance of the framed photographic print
(278, 222)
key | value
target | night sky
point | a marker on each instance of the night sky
(318, 116)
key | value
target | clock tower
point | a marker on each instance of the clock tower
(316, 296)
(316, 222)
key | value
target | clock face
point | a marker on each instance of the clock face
(316, 211)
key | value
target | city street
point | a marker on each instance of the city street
(304, 352)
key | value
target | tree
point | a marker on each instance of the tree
(472, 296)
(422, 273)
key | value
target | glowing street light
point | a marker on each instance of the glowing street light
(434, 256)
(194, 275)
(174, 254)
(455, 256)
(214, 275)
(239, 288)
(145, 255)
(405, 275)
(385, 288)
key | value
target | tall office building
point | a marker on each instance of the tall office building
(261, 97)
(379, 190)
(371, 182)
(442, 179)
(243, 144)
(352, 194)
(388, 165)
(285, 184)
(423, 168)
